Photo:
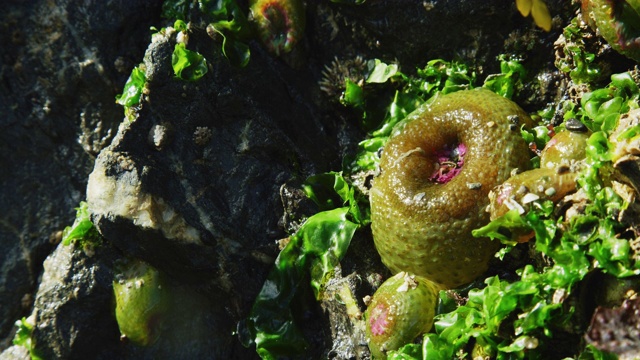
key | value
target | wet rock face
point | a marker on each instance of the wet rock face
(74, 296)
(192, 185)
(412, 32)
(60, 68)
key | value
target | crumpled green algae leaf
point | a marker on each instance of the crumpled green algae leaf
(224, 16)
(82, 232)
(382, 72)
(331, 190)
(511, 77)
(132, 88)
(187, 64)
(23, 337)
(316, 247)
(487, 314)
(228, 19)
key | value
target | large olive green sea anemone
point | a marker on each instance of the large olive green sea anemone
(435, 175)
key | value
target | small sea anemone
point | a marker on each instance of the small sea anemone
(401, 309)
(334, 75)
(142, 300)
(279, 23)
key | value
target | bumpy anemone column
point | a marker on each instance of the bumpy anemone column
(618, 21)
(279, 23)
(435, 176)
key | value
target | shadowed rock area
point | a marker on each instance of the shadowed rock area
(62, 65)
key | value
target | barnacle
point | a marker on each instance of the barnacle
(335, 75)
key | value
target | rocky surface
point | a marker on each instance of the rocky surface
(61, 66)
(193, 185)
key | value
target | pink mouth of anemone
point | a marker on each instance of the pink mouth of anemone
(449, 163)
(379, 322)
(279, 36)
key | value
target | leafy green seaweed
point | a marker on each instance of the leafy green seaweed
(82, 232)
(577, 61)
(23, 337)
(510, 79)
(132, 88)
(188, 65)
(230, 22)
(225, 17)
(316, 248)
(331, 190)
(132, 92)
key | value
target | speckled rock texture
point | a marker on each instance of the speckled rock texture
(424, 227)
(61, 65)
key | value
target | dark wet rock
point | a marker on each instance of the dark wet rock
(617, 330)
(74, 313)
(206, 205)
(59, 74)
(411, 32)
(197, 203)
(75, 295)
